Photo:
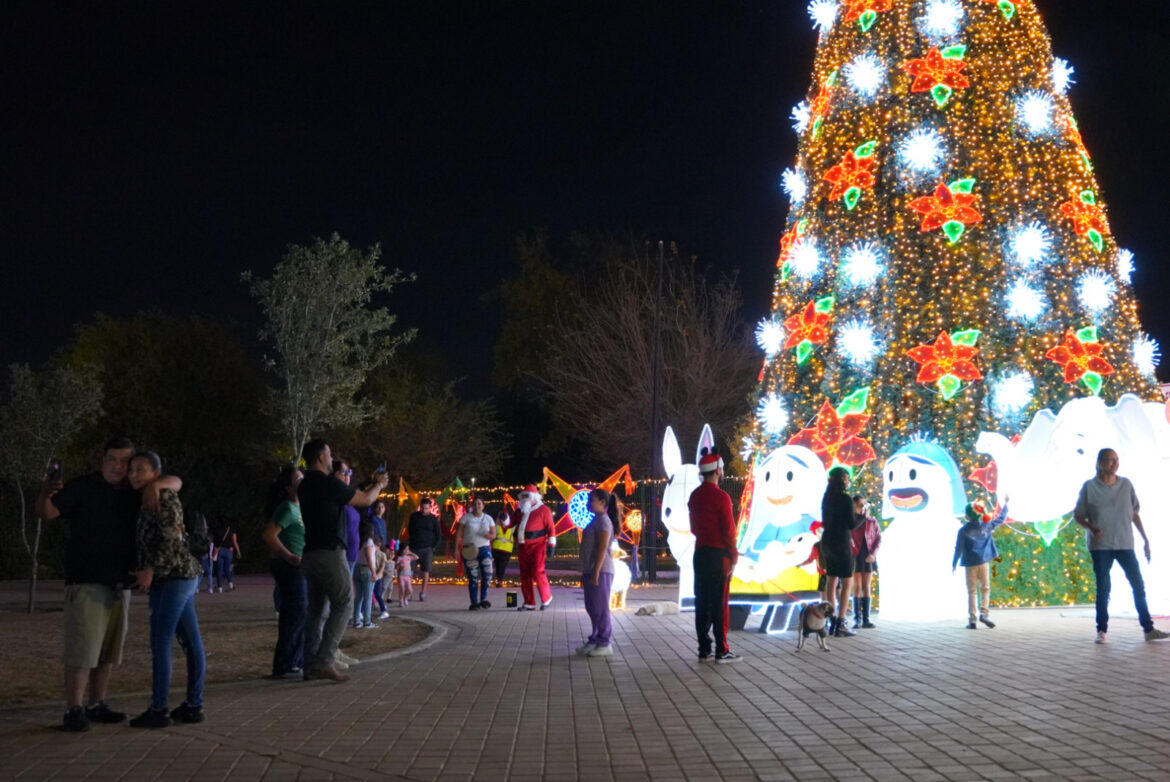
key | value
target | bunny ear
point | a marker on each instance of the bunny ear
(671, 453)
(706, 440)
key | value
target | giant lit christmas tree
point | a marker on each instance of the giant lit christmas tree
(946, 274)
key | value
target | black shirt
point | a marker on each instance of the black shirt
(100, 520)
(423, 531)
(323, 500)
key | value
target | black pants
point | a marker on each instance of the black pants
(712, 585)
(290, 633)
(500, 563)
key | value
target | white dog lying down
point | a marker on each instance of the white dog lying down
(659, 609)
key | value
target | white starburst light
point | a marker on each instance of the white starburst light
(801, 116)
(1025, 302)
(794, 185)
(1096, 290)
(1030, 244)
(857, 342)
(862, 264)
(1035, 111)
(823, 13)
(769, 336)
(922, 150)
(1125, 265)
(1147, 354)
(747, 449)
(865, 74)
(1062, 75)
(773, 415)
(806, 258)
(942, 17)
(1012, 393)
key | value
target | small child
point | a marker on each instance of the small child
(975, 548)
(380, 563)
(402, 567)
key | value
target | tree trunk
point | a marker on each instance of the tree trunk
(32, 549)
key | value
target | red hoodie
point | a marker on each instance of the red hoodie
(711, 521)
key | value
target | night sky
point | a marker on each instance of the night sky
(153, 154)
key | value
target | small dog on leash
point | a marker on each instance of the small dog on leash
(813, 618)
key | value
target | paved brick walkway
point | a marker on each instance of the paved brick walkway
(501, 696)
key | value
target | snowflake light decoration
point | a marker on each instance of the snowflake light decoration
(1147, 354)
(941, 18)
(857, 341)
(794, 185)
(1125, 265)
(865, 74)
(806, 258)
(862, 264)
(801, 116)
(823, 13)
(1030, 244)
(1096, 290)
(770, 336)
(1062, 75)
(773, 415)
(1035, 111)
(1025, 302)
(1012, 393)
(922, 151)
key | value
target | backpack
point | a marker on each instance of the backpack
(198, 534)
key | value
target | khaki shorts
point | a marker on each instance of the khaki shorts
(96, 620)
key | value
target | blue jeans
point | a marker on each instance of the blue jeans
(208, 570)
(290, 627)
(379, 585)
(1102, 563)
(172, 613)
(479, 574)
(363, 594)
(223, 567)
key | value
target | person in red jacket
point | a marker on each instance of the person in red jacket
(713, 526)
(534, 529)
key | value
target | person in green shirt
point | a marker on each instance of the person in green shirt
(285, 536)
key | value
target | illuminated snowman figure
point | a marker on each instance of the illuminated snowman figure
(786, 501)
(924, 496)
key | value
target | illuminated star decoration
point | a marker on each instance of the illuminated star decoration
(1012, 393)
(835, 435)
(1087, 218)
(769, 336)
(948, 361)
(951, 208)
(1030, 244)
(809, 327)
(823, 13)
(1079, 355)
(1125, 265)
(801, 117)
(1035, 111)
(1096, 290)
(862, 264)
(853, 175)
(772, 413)
(857, 341)
(865, 12)
(1062, 75)
(578, 515)
(865, 74)
(922, 151)
(942, 18)
(1147, 354)
(1025, 302)
(939, 73)
(794, 185)
(805, 259)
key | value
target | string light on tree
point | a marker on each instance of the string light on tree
(941, 18)
(862, 264)
(1030, 244)
(922, 151)
(773, 415)
(1035, 111)
(1095, 290)
(1147, 354)
(1025, 302)
(806, 258)
(865, 74)
(770, 336)
(1012, 393)
(858, 344)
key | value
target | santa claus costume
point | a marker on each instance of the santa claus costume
(534, 531)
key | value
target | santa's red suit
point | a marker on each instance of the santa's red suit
(534, 531)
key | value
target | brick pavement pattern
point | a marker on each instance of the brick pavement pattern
(501, 696)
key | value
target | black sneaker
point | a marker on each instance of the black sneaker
(100, 712)
(972, 626)
(485, 605)
(74, 720)
(187, 713)
(706, 657)
(474, 607)
(985, 620)
(151, 719)
(727, 657)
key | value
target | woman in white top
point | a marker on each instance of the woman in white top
(473, 542)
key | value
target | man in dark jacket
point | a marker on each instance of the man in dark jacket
(424, 533)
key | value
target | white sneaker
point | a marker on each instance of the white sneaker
(1156, 635)
(345, 658)
(385, 615)
(339, 665)
(586, 649)
(546, 604)
(600, 651)
(1100, 638)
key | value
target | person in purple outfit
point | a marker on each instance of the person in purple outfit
(597, 576)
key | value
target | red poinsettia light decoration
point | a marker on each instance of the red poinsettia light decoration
(940, 73)
(951, 208)
(1079, 355)
(854, 174)
(835, 438)
(1087, 218)
(808, 327)
(948, 362)
(865, 12)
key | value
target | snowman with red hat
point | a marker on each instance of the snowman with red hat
(534, 531)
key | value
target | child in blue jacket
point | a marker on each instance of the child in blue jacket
(975, 548)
